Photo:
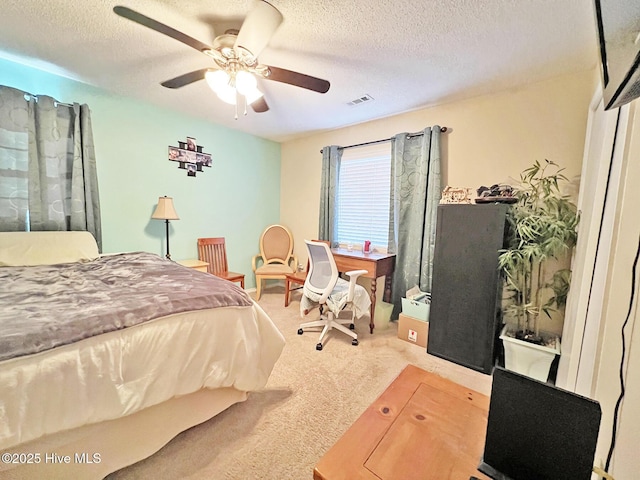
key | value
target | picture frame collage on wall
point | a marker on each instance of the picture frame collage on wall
(190, 156)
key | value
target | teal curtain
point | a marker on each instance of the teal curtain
(331, 156)
(48, 175)
(415, 193)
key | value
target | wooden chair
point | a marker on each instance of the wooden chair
(276, 255)
(214, 252)
(293, 281)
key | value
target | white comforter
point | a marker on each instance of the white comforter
(124, 371)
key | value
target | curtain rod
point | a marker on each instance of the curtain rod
(409, 135)
(56, 101)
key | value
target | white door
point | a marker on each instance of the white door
(598, 191)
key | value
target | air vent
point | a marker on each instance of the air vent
(358, 101)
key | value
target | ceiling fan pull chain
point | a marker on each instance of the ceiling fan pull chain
(245, 105)
(236, 105)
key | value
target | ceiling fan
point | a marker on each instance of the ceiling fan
(235, 53)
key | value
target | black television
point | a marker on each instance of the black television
(618, 26)
(537, 431)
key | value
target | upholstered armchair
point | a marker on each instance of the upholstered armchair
(276, 258)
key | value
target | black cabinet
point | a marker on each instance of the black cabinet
(466, 289)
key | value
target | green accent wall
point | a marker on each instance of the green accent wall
(236, 198)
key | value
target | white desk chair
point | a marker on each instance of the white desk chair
(324, 287)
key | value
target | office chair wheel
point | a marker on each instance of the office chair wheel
(352, 327)
(354, 342)
(319, 346)
(300, 332)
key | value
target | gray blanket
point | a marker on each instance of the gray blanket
(46, 306)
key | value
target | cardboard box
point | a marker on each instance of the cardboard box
(413, 330)
(416, 307)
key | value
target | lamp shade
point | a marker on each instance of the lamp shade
(245, 82)
(253, 95)
(217, 79)
(165, 210)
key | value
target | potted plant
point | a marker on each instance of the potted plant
(542, 229)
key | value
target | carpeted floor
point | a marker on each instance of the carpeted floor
(311, 398)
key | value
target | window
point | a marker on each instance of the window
(44, 183)
(362, 204)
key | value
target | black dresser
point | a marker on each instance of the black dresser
(466, 292)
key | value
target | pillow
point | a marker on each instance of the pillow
(46, 248)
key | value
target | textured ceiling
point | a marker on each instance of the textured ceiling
(404, 54)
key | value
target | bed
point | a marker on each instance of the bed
(105, 358)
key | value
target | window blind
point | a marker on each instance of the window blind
(362, 205)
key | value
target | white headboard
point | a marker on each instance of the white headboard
(46, 248)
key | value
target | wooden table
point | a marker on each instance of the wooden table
(376, 265)
(194, 263)
(423, 427)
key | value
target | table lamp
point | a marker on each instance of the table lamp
(165, 211)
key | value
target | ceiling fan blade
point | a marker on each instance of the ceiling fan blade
(185, 79)
(258, 27)
(160, 27)
(260, 105)
(298, 79)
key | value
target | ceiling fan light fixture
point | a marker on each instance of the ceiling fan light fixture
(245, 82)
(253, 95)
(227, 88)
(219, 82)
(227, 95)
(217, 79)
(225, 42)
(246, 57)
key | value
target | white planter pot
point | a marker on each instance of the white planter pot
(528, 358)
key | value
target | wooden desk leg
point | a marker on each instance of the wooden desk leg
(387, 288)
(372, 312)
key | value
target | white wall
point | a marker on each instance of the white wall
(490, 139)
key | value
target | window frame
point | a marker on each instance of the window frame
(368, 169)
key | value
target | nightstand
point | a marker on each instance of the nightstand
(195, 264)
